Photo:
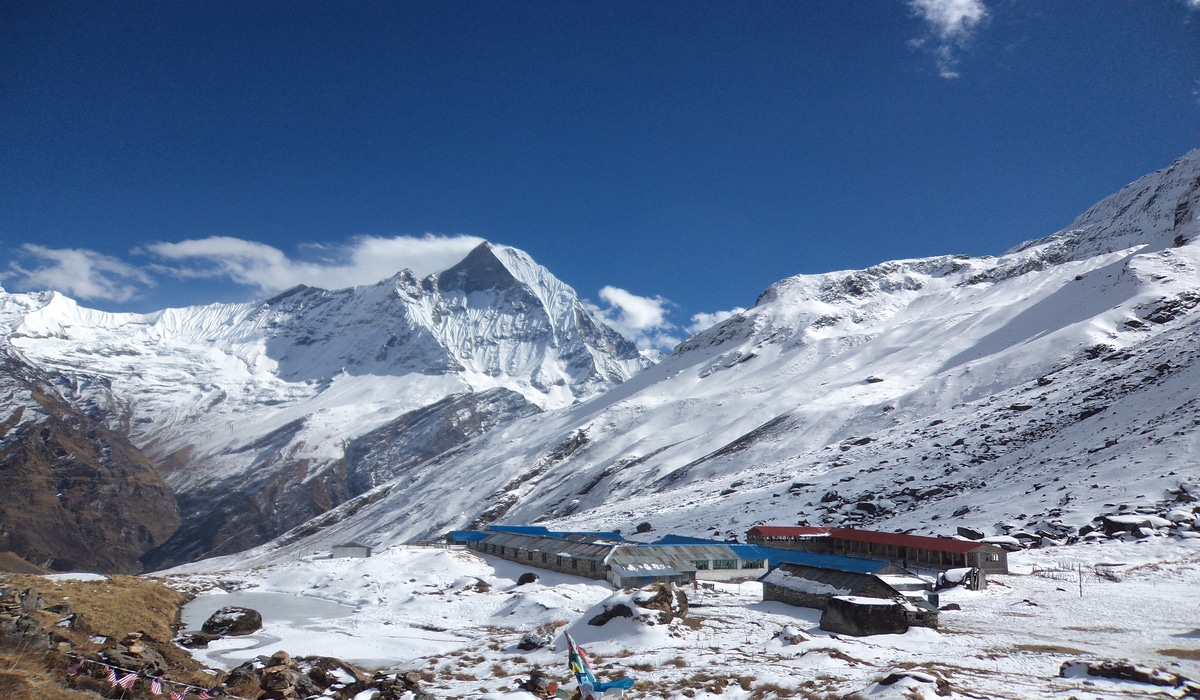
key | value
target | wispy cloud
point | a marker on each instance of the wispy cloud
(82, 274)
(704, 321)
(641, 319)
(951, 25)
(365, 260)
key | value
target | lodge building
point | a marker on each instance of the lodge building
(909, 551)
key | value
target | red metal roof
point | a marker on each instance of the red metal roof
(936, 544)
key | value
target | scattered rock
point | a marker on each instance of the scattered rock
(197, 641)
(642, 527)
(527, 578)
(1121, 670)
(917, 678)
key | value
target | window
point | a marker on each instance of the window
(724, 563)
(753, 564)
(992, 556)
(531, 555)
(593, 563)
(557, 560)
(544, 557)
(700, 564)
(574, 563)
(501, 550)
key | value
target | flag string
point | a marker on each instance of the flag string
(156, 682)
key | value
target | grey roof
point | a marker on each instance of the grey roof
(819, 581)
(678, 557)
(577, 547)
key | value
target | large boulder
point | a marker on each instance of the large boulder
(233, 621)
(656, 604)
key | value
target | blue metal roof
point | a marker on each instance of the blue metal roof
(468, 536)
(777, 556)
(520, 529)
(541, 531)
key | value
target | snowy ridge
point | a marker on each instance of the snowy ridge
(237, 397)
(1031, 389)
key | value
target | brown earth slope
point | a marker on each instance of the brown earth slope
(78, 497)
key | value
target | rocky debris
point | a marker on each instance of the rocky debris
(527, 578)
(283, 677)
(197, 641)
(1123, 670)
(642, 527)
(18, 629)
(656, 604)
(536, 639)
(538, 685)
(133, 654)
(909, 678)
(233, 621)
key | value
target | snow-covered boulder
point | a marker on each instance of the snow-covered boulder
(657, 604)
(233, 621)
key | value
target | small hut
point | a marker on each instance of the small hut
(355, 550)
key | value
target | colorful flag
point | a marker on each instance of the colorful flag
(156, 686)
(589, 687)
(110, 675)
(176, 695)
(578, 660)
(128, 681)
(75, 668)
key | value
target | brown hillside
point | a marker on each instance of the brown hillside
(79, 497)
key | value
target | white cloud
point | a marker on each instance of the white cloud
(704, 321)
(952, 25)
(637, 313)
(365, 260)
(641, 319)
(82, 274)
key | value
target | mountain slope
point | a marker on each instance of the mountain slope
(1032, 390)
(248, 409)
(79, 496)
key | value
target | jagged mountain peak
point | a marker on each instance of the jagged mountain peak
(480, 270)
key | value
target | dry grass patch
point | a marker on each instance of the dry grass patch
(116, 606)
(25, 677)
(1188, 654)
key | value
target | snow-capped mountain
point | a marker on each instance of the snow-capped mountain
(1034, 390)
(263, 415)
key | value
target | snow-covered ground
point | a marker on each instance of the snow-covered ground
(458, 617)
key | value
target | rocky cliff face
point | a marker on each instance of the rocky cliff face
(79, 497)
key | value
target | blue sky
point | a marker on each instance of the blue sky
(669, 160)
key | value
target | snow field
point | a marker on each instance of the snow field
(456, 618)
